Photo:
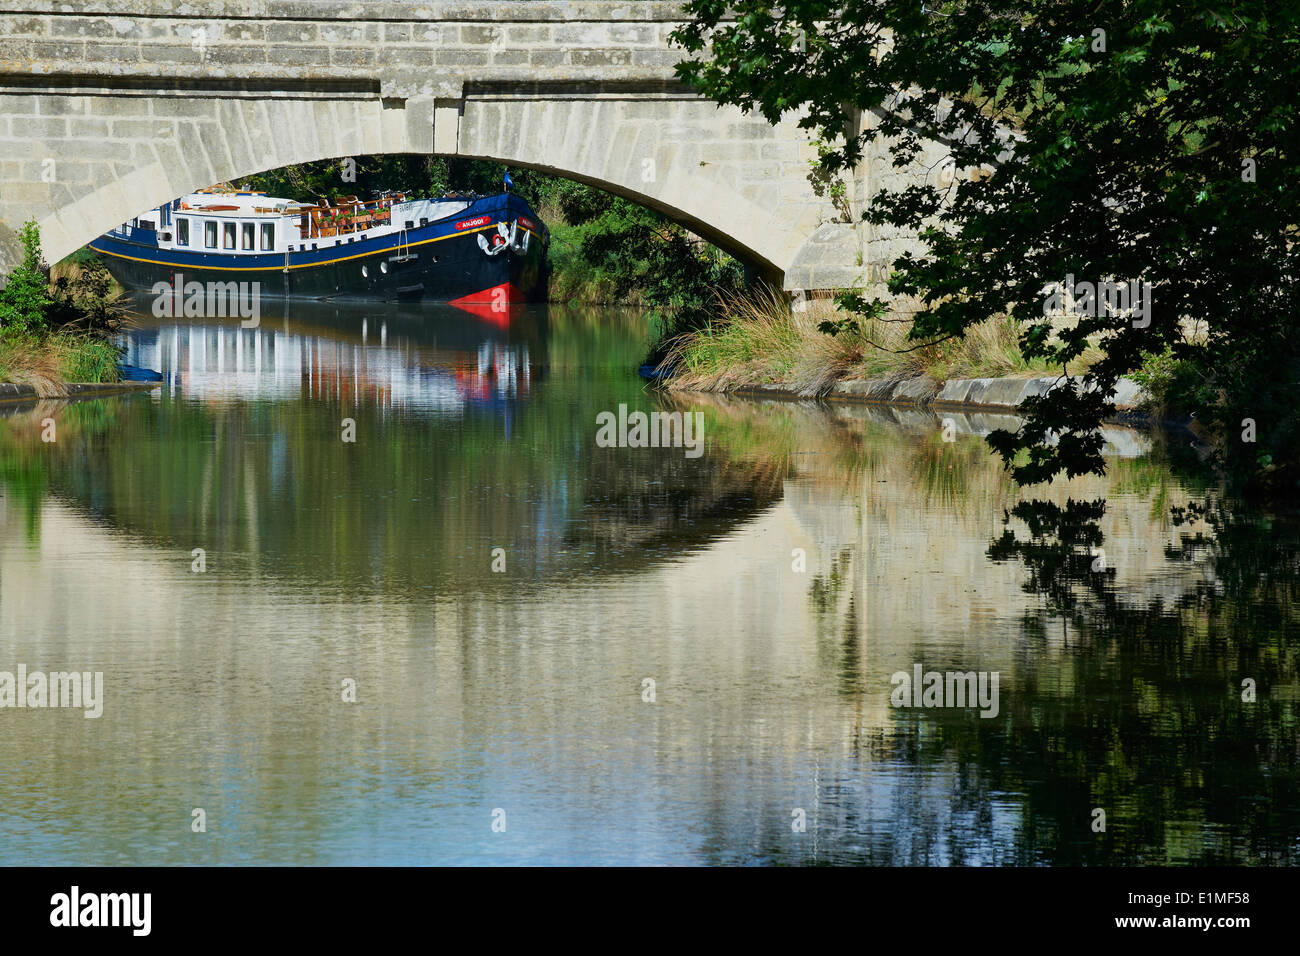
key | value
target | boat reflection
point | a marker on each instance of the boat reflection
(429, 358)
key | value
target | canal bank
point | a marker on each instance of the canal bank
(14, 392)
(1004, 395)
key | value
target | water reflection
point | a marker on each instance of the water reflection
(436, 359)
(1121, 679)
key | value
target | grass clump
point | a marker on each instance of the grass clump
(49, 362)
(756, 338)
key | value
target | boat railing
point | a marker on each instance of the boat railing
(347, 217)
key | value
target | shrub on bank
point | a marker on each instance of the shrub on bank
(52, 336)
(25, 299)
(574, 278)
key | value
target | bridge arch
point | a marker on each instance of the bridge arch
(611, 144)
(104, 115)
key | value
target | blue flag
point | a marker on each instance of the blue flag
(510, 183)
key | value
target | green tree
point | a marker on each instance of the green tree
(1128, 140)
(641, 249)
(25, 298)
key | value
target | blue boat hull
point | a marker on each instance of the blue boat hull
(441, 262)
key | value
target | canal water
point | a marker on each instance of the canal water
(364, 587)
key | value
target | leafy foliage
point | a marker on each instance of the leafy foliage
(641, 249)
(1127, 139)
(86, 300)
(61, 336)
(25, 297)
(826, 182)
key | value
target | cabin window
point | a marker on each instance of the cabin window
(246, 237)
(228, 235)
(182, 232)
(268, 235)
(210, 235)
(423, 221)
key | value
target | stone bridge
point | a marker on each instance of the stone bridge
(108, 107)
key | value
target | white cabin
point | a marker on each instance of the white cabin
(237, 224)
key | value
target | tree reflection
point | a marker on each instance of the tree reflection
(1148, 713)
(1062, 551)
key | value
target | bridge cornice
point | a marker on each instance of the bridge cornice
(482, 11)
(396, 49)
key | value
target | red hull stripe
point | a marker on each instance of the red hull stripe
(493, 305)
(504, 294)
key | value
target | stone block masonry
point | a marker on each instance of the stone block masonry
(106, 111)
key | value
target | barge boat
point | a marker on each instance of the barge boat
(465, 250)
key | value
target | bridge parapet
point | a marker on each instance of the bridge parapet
(394, 49)
(104, 114)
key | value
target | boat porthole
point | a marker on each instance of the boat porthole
(383, 267)
(365, 272)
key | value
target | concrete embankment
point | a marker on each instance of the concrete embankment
(10, 392)
(1000, 394)
(973, 406)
